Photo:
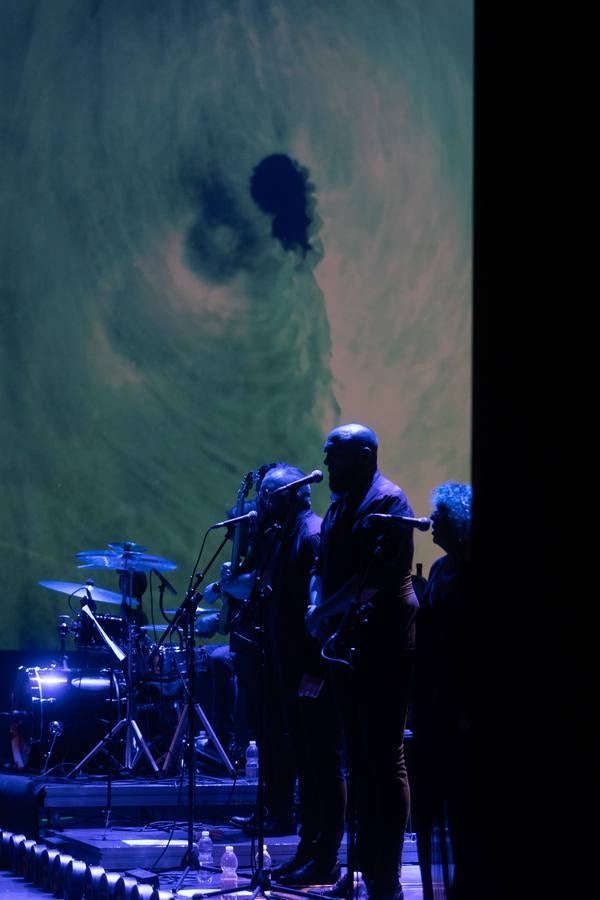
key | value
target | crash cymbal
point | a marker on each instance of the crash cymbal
(79, 590)
(125, 556)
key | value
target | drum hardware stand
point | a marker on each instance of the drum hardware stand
(162, 584)
(186, 616)
(132, 729)
(55, 728)
(191, 705)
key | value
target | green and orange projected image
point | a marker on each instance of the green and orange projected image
(229, 226)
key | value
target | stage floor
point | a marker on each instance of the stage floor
(148, 827)
(15, 886)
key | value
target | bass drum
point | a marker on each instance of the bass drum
(60, 714)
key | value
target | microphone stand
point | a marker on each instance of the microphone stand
(186, 615)
(260, 881)
(355, 614)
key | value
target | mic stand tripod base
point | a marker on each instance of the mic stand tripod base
(179, 730)
(260, 882)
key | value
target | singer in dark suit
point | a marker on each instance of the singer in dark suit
(362, 596)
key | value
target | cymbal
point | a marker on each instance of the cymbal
(128, 546)
(73, 589)
(126, 556)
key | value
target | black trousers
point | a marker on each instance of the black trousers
(373, 699)
(321, 780)
(302, 744)
(443, 811)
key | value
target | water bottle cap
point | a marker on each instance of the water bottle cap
(228, 848)
(253, 743)
(206, 834)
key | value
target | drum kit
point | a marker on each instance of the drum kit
(76, 710)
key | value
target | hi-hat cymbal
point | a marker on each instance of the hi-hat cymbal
(79, 590)
(126, 556)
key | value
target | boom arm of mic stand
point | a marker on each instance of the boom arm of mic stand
(191, 600)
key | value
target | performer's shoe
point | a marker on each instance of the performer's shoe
(242, 821)
(339, 889)
(312, 872)
(299, 858)
(271, 827)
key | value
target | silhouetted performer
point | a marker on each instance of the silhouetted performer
(441, 718)
(301, 738)
(135, 584)
(365, 564)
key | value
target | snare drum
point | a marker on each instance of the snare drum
(80, 706)
(170, 662)
(167, 663)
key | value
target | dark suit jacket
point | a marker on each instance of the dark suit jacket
(383, 554)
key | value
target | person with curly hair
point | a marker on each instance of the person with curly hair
(442, 718)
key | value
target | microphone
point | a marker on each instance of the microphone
(90, 600)
(163, 581)
(316, 475)
(237, 520)
(422, 524)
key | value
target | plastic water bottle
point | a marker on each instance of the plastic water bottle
(201, 741)
(267, 861)
(252, 763)
(205, 856)
(229, 864)
(359, 891)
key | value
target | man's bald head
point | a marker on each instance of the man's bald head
(350, 456)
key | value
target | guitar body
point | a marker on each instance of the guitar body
(349, 609)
